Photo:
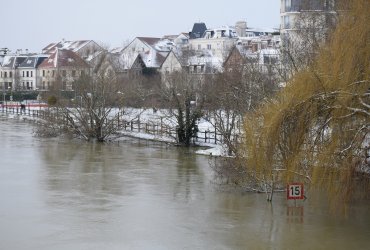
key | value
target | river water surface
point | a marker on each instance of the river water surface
(63, 194)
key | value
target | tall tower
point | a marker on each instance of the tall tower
(240, 28)
(295, 14)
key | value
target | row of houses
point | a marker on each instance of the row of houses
(201, 51)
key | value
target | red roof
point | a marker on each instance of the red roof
(151, 41)
(64, 58)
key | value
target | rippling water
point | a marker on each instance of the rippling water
(62, 194)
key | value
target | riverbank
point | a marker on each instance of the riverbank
(151, 117)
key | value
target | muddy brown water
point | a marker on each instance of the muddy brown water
(63, 194)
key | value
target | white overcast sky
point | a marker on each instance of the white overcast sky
(32, 24)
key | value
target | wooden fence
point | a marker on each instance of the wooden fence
(206, 136)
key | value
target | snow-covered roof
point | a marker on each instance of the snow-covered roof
(92, 56)
(150, 41)
(262, 30)
(164, 45)
(152, 58)
(117, 50)
(12, 62)
(33, 61)
(64, 58)
(70, 45)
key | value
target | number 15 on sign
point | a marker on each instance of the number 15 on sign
(295, 191)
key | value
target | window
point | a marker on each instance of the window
(53, 73)
(1, 74)
(10, 74)
(209, 46)
(286, 22)
(267, 59)
(31, 73)
(199, 47)
(5, 74)
(43, 73)
(28, 74)
(287, 5)
(43, 85)
(73, 73)
(191, 69)
(23, 73)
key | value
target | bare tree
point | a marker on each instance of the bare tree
(235, 92)
(92, 114)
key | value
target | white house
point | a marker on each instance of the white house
(62, 67)
(29, 79)
(152, 51)
(9, 75)
(219, 41)
(193, 62)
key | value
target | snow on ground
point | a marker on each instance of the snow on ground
(212, 150)
(154, 117)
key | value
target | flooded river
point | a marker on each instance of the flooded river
(62, 194)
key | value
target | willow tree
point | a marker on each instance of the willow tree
(317, 129)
